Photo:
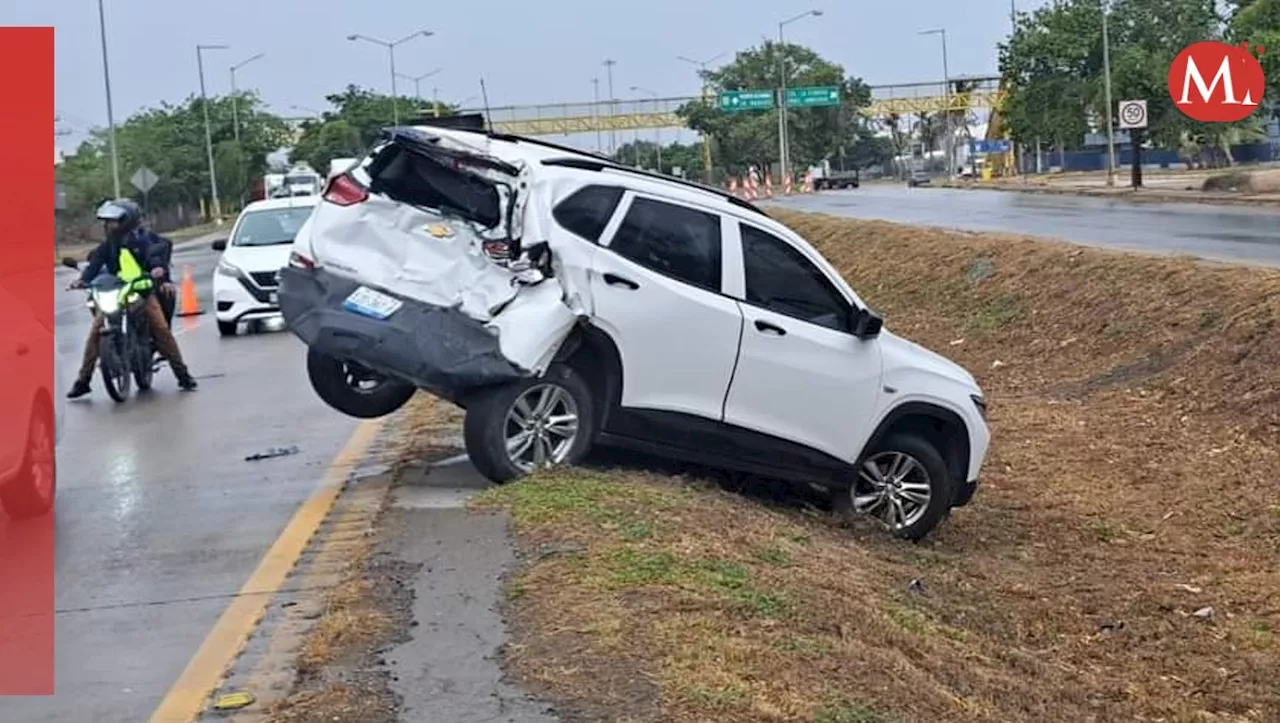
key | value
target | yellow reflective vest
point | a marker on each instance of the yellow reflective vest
(131, 272)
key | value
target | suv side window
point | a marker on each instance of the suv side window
(779, 278)
(675, 241)
(587, 211)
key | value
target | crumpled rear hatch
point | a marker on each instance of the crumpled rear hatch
(438, 220)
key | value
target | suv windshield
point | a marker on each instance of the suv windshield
(270, 228)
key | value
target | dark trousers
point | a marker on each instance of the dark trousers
(160, 333)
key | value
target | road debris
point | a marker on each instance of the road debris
(272, 453)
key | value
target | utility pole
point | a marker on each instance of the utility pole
(946, 101)
(215, 209)
(391, 53)
(706, 140)
(111, 120)
(784, 160)
(1106, 72)
(595, 111)
(235, 101)
(613, 105)
(657, 132)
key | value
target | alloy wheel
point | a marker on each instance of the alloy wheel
(541, 427)
(893, 487)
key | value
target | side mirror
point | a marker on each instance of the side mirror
(220, 245)
(866, 324)
(70, 263)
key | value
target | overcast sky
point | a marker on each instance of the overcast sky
(527, 52)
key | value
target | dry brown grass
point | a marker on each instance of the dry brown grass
(1136, 415)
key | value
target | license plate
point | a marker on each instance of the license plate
(374, 304)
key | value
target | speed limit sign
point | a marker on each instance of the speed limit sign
(1133, 114)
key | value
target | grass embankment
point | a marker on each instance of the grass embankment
(1119, 562)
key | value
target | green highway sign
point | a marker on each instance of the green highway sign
(813, 97)
(746, 100)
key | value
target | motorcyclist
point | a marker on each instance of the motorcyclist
(126, 252)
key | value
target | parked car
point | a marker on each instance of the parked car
(247, 276)
(918, 177)
(33, 412)
(565, 301)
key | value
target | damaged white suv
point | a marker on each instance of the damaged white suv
(566, 301)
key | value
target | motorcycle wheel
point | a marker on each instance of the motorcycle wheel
(115, 372)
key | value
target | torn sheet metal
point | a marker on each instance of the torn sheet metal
(412, 253)
(531, 328)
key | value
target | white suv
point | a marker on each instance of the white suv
(565, 301)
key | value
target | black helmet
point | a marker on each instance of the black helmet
(123, 210)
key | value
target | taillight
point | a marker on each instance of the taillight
(343, 190)
(298, 261)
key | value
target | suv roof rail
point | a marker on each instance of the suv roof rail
(591, 164)
(588, 161)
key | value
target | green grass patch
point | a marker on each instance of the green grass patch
(554, 496)
(998, 313)
(848, 713)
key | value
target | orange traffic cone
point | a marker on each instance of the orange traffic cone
(190, 302)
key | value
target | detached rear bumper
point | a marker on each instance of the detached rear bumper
(435, 348)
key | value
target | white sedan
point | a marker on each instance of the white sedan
(247, 276)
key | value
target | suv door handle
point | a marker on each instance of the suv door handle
(768, 328)
(615, 280)
(22, 350)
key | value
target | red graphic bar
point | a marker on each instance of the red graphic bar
(27, 353)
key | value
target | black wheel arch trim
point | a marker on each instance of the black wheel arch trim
(933, 411)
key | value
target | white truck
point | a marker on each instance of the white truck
(824, 177)
(302, 180)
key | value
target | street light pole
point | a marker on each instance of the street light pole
(783, 160)
(657, 132)
(216, 208)
(235, 102)
(1106, 73)
(417, 81)
(946, 101)
(595, 111)
(391, 53)
(613, 104)
(111, 120)
(706, 141)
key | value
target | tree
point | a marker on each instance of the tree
(1053, 69)
(358, 117)
(170, 140)
(748, 138)
(1257, 22)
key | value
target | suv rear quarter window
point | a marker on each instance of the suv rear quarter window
(587, 211)
(675, 241)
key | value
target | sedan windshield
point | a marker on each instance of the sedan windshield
(270, 228)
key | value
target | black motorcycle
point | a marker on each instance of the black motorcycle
(125, 351)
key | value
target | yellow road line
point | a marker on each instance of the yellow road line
(187, 698)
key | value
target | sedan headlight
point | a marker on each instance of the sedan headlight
(226, 268)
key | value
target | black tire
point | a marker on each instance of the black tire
(115, 371)
(332, 380)
(227, 328)
(940, 484)
(32, 492)
(487, 427)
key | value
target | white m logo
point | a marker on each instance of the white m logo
(1224, 75)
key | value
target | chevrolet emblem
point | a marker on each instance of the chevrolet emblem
(440, 230)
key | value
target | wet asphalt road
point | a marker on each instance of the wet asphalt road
(160, 521)
(1236, 234)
